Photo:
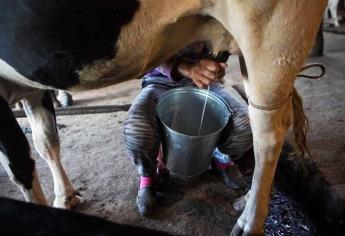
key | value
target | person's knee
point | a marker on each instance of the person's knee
(140, 134)
(237, 137)
(145, 161)
(241, 121)
(141, 121)
(141, 142)
(242, 124)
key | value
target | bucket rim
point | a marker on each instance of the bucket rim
(200, 91)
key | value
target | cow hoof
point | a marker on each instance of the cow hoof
(238, 231)
(146, 200)
(240, 203)
(69, 202)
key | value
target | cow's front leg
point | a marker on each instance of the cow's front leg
(269, 128)
(40, 112)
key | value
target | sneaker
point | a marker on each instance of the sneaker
(146, 200)
(233, 177)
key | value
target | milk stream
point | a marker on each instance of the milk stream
(203, 110)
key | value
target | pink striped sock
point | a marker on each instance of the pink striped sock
(145, 181)
(223, 166)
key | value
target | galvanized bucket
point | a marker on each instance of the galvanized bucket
(186, 153)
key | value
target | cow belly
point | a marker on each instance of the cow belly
(7, 72)
(12, 89)
(48, 42)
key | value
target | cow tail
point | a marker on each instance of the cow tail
(300, 124)
(302, 180)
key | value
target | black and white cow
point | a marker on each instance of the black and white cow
(18, 218)
(43, 44)
(85, 44)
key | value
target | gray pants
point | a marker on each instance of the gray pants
(143, 131)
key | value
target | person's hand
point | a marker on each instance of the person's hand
(202, 72)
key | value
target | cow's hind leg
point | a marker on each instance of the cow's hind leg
(333, 8)
(40, 112)
(15, 156)
(65, 98)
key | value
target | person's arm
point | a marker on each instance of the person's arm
(203, 72)
(168, 68)
(190, 53)
(191, 63)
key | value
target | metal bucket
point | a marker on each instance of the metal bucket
(186, 153)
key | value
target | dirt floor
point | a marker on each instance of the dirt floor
(93, 153)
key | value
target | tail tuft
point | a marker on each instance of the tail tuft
(300, 124)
